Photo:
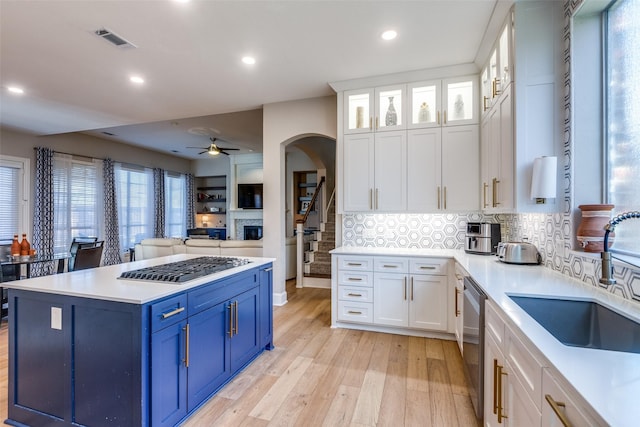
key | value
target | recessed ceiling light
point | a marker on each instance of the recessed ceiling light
(249, 60)
(15, 89)
(389, 35)
(136, 79)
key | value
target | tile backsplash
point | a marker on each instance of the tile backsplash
(551, 233)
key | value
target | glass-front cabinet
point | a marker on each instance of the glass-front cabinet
(447, 102)
(374, 110)
(497, 74)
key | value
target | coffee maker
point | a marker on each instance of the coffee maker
(482, 238)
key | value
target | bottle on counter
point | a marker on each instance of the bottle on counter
(25, 246)
(15, 246)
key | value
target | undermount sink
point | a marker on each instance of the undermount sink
(583, 323)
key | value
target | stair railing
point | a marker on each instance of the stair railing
(300, 235)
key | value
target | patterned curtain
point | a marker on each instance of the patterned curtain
(191, 201)
(158, 202)
(42, 238)
(111, 254)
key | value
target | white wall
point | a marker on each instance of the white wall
(284, 122)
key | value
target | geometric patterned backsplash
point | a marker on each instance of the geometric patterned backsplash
(447, 231)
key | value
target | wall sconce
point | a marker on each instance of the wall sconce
(543, 179)
(204, 221)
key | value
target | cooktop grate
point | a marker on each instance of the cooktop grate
(183, 271)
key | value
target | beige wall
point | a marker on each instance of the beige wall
(19, 144)
(284, 122)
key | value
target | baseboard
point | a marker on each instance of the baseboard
(280, 298)
(316, 282)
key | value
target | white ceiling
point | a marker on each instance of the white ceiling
(190, 56)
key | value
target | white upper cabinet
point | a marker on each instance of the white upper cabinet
(497, 74)
(375, 110)
(446, 102)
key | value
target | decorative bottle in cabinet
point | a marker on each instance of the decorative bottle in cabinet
(391, 118)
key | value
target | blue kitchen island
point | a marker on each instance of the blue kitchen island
(89, 349)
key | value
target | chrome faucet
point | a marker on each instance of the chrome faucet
(607, 265)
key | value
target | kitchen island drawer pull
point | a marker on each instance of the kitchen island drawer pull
(172, 313)
(186, 345)
(266, 270)
(555, 405)
(354, 312)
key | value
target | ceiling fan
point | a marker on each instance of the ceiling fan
(213, 149)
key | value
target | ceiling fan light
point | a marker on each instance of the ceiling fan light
(213, 152)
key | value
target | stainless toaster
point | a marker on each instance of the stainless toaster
(518, 253)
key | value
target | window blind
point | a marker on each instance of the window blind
(9, 202)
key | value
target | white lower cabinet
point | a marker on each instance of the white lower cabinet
(562, 406)
(394, 292)
(519, 390)
(511, 377)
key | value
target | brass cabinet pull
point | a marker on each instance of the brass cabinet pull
(438, 197)
(501, 416)
(494, 84)
(377, 123)
(438, 117)
(444, 114)
(390, 266)
(377, 199)
(370, 123)
(484, 194)
(354, 312)
(236, 310)
(495, 183)
(445, 197)
(405, 287)
(186, 345)
(411, 288)
(355, 279)
(484, 103)
(427, 267)
(230, 331)
(371, 198)
(351, 294)
(457, 291)
(555, 405)
(354, 264)
(172, 312)
(495, 386)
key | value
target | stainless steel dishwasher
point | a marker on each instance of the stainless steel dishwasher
(473, 343)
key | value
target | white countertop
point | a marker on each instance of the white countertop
(103, 283)
(608, 380)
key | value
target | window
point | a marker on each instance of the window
(175, 205)
(13, 197)
(622, 88)
(134, 192)
(77, 200)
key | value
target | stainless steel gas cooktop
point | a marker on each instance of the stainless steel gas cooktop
(183, 271)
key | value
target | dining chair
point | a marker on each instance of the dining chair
(88, 255)
(75, 243)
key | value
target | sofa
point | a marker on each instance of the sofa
(152, 248)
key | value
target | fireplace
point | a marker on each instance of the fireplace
(252, 232)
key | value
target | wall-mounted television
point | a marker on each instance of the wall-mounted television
(249, 196)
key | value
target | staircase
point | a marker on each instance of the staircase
(317, 260)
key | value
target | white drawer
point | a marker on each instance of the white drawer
(355, 293)
(360, 312)
(391, 265)
(524, 366)
(355, 262)
(428, 266)
(355, 278)
(494, 325)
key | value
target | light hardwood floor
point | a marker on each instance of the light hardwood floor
(318, 376)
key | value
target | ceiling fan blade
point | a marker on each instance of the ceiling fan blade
(226, 154)
(228, 149)
(201, 148)
(202, 152)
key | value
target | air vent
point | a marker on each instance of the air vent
(113, 38)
